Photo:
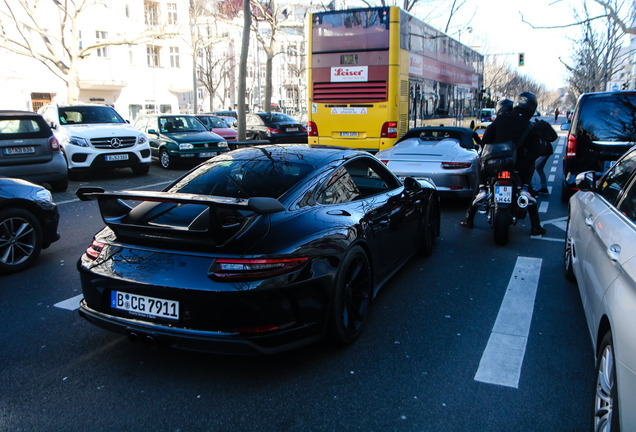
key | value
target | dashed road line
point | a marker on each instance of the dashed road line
(503, 357)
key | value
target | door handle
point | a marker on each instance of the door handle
(613, 252)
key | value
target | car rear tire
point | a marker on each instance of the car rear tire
(429, 228)
(165, 160)
(567, 254)
(565, 193)
(352, 297)
(20, 239)
(605, 413)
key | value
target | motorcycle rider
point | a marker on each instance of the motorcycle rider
(515, 126)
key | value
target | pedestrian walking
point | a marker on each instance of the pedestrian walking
(556, 114)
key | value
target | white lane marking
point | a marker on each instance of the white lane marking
(503, 357)
(70, 304)
(543, 207)
(553, 169)
(551, 178)
(135, 188)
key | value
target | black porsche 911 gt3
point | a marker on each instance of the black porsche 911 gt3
(258, 250)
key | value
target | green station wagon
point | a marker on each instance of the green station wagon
(179, 138)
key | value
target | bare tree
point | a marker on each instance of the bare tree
(58, 46)
(213, 70)
(247, 24)
(613, 11)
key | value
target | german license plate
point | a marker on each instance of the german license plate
(503, 194)
(207, 154)
(19, 150)
(143, 305)
(116, 157)
(292, 129)
(349, 134)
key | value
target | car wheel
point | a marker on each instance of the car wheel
(141, 169)
(606, 394)
(352, 297)
(567, 254)
(565, 193)
(429, 228)
(20, 239)
(164, 159)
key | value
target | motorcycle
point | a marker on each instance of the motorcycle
(504, 204)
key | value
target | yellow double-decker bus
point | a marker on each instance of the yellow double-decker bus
(376, 72)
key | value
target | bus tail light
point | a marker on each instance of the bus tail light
(312, 129)
(389, 130)
(571, 147)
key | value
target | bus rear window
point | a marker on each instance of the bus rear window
(351, 30)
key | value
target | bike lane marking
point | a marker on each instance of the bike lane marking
(503, 357)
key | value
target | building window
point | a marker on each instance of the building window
(101, 37)
(174, 57)
(172, 13)
(152, 52)
(151, 13)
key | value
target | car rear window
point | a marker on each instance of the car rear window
(243, 178)
(23, 127)
(609, 118)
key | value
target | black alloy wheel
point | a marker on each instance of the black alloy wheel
(20, 239)
(352, 297)
(605, 415)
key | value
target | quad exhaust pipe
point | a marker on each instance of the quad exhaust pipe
(144, 338)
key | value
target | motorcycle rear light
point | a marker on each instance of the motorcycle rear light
(54, 144)
(312, 129)
(455, 165)
(503, 174)
(389, 130)
(94, 250)
(234, 269)
(571, 147)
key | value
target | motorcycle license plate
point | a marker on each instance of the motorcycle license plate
(503, 194)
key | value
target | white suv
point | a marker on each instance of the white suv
(96, 136)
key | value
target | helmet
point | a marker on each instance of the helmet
(527, 101)
(504, 106)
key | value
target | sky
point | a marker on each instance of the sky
(497, 28)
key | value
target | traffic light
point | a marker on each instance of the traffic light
(521, 59)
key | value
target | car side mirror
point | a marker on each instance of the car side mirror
(565, 126)
(152, 131)
(586, 181)
(412, 185)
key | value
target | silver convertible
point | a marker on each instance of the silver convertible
(446, 155)
(600, 254)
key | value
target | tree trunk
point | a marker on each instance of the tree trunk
(240, 110)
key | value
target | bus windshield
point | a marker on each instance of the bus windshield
(348, 30)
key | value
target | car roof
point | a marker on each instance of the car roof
(17, 112)
(303, 153)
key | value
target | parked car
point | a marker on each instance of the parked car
(275, 128)
(262, 249)
(600, 255)
(30, 151)
(487, 116)
(175, 139)
(28, 223)
(229, 121)
(94, 137)
(218, 126)
(446, 155)
(602, 129)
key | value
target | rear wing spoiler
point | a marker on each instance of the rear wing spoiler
(122, 218)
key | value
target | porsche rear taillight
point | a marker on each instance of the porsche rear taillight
(94, 250)
(312, 129)
(236, 268)
(455, 165)
(571, 147)
(389, 130)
